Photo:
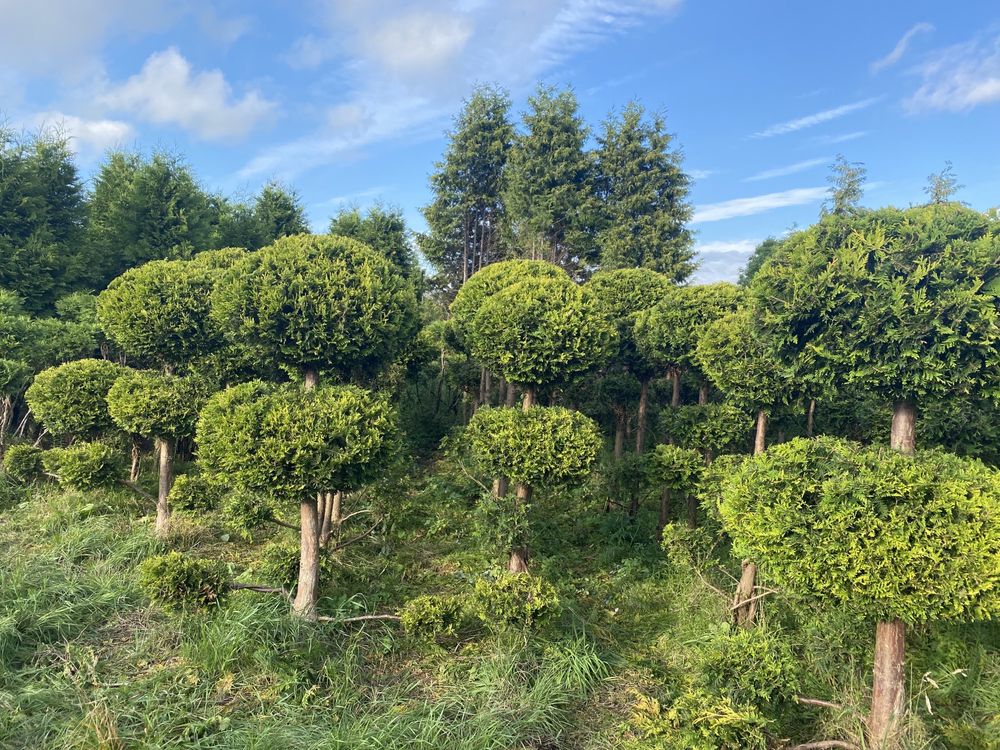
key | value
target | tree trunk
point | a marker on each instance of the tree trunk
(888, 688)
(619, 432)
(811, 418)
(518, 561)
(692, 510)
(702, 393)
(330, 517)
(529, 397)
(165, 452)
(310, 379)
(675, 380)
(664, 510)
(304, 605)
(904, 427)
(744, 605)
(133, 474)
(487, 388)
(511, 396)
(760, 441)
(500, 486)
(6, 415)
(640, 428)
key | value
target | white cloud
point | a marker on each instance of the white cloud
(167, 91)
(817, 118)
(801, 166)
(700, 174)
(419, 41)
(960, 77)
(92, 135)
(721, 261)
(757, 204)
(830, 140)
(901, 46)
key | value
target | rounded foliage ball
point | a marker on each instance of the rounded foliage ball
(514, 600)
(23, 462)
(154, 404)
(71, 399)
(543, 445)
(891, 536)
(13, 375)
(542, 331)
(711, 427)
(318, 302)
(676, 468)
(433, 616)
(179, 581)
(195, 493)
(287, 442)
(84, 466)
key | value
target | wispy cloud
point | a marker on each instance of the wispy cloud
(88, 135)
(960, 77)
(700, 174)
(831, 140)
(338, 201)
(756, 204)
(901, 46)
(801, 166)
(817, 118)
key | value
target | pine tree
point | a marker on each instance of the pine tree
(467, 215)
(644, 192)
(279, 213)
(382, 229)
(550, 192)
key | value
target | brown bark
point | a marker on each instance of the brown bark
(487, 388)
(692, 511)
(904, 427)
(6, 416)
(744, 605)
(619, 432)
(664, 510)
(165, 452)
(500, 486)
(675, 395)
(811, 418)
(133, 474)
(702, 393)
(518, 561)
(760, 441)
(511, 395)
(529, 397)
(310, 379)
(330, 514)
(640, 428)
(888, 688)
(304, 605)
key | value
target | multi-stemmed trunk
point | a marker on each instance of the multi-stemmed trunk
(640, 426)
(165, 455)
(304, 604)
(133, 474)
(330, 511)
(888, 687)
(518, 562)
(744, 603)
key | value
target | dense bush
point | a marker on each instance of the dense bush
(434, 616)
(697, 720)
(515, 600)
(675, 468)
(23, 462)
(245, 512)
(177, 580)
(278, 564)
(706, 427)
(84, 466)
(155, 404)
(195, 493)
(71, 399)
(751, 665)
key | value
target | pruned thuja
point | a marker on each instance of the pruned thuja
(71, 399)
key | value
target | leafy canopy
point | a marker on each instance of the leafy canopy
(153, 404)
(71, 399)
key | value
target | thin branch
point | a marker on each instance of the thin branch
(466, 472)
(704, 580)
(827, 745)
(358, 538)
(261, 589)
(817, 702)
(138, 490)
(285, 525)
(745, 602)
(359, 618)
(345, 519)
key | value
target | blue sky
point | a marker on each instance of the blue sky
(348, 100)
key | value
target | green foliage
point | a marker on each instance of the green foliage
(624, 293)
(667, 333)
(712, 478)
(318, 302)
(156, 405)
(245, 512)
(433, 616)
(278, 564)
(890, 536)
(542, 331)
(761, 254)
(195, 493)
(279, 213)
(644, 197)
(678, 469)
(177, 580)
(488, 281)
(383, 230)
(84, 466)
(158, 312)
(711, 427)
(697, 720)
(543, 445)
(514, 600)
(71, 399)
(286, 442)
(753, 666)
(23, 462)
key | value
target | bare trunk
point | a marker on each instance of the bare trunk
(664, 510)
(760, 441)
(675, 380)
(165, 452)
(904, 427)
(511, 395)
(518, 561)
(529, 397)
(6, 415)
(888, 688)
(744, 605)
(500, 486)
(133, 474)
(310, 379)
(692, 510)
(811, 418)
(304, 605)
(640, 428)
(487, 388)
(619, 432)
(329, 512)
(702, 393)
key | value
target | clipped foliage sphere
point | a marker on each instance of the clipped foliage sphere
(541, 331)
(71, 399)
(488, 281)
(195, 493)
(891, 536)
(318, 302)
(676, 468)
(23, 462)
(286, 442)
(712, 427)
(543, 445)
(154, 404)
(624, 292)
(13, 375)
(514, 600)
(433, 616)
(159, 312)
(179, 581)
(84, 466)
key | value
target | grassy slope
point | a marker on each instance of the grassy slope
(87, 663)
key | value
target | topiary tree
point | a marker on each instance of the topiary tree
(71, 400)
(676, 470)
(289, 444)
(625, 293)
(536, 446)
(709, 428)
(163, 407)
(667, 333)
(903, 540)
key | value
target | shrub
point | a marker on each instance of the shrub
(754, 666)
(195, 493)
(433, 616)
(84, 466)
(179, 581)
(674, 468)
(23, 462)
(516, 600)
(153, 404)
(697, 720)
(71, 399)
(244, 512)
(706, 427)
(279, 564)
